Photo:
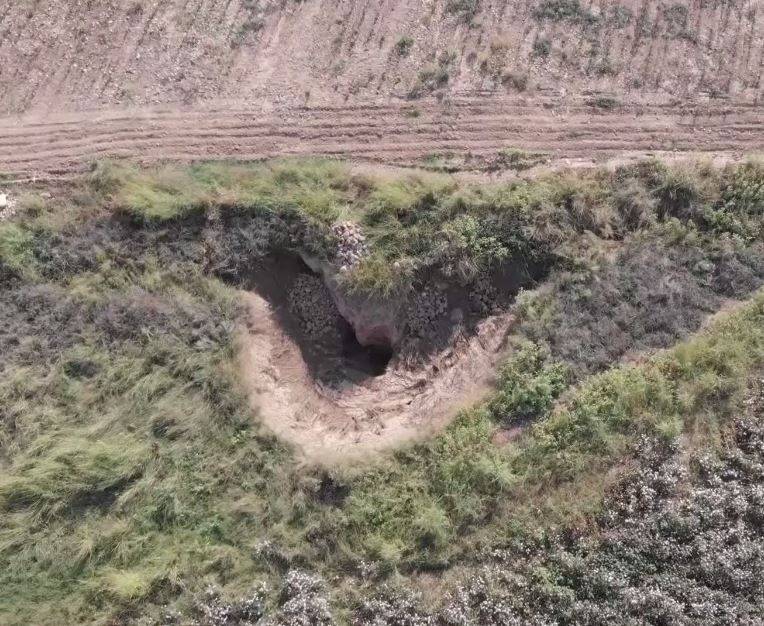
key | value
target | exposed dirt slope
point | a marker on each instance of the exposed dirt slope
(361, 414)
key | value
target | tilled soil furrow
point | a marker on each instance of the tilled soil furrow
(377, 132)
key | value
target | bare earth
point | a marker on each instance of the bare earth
(381, 133)
(358, 416)
(173, 79)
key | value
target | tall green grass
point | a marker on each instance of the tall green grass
(133, 472)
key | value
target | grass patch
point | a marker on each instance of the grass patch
(563, 11)
(134, 473)
(70, 473)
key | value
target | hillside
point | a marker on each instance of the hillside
(381, 313)
(83, 55)
(227, 397)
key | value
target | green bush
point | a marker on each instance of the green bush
(528, 385)
(403, 46)
(467, 249)
(16, 248)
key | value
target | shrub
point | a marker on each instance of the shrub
(518, 159)
(743, 189)
(467, 248)
(620, 16)
(680, 195)
(562, 11)
(518, 80)
(379, 277)
(465, 10)
(430, 79)
(528, 385)
(676, 17)
(213, 610)
(303, 601)
(432, 526)
(542, 47)
(604, 102)
(635, 205)
(403, 46)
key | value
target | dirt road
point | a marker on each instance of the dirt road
(399, 133)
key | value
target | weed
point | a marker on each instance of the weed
(542, 47)
(465, 10)
(403, 46)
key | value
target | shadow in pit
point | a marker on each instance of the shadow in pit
(336, 356)
(339, 357)
(464, 311)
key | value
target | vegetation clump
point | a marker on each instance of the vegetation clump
(434, 76)
(403, 46)
(465, 10)
(563, 11)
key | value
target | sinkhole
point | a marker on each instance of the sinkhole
(371, 360)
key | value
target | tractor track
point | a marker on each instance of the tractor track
(385, 133)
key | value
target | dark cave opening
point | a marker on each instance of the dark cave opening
(371, 360)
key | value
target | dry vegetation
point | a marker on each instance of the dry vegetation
(603, 481)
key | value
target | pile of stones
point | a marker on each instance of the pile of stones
(424, 309)
(311, 303)
(351, 247)
(483, 295)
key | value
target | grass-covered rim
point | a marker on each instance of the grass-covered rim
(134, 474)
